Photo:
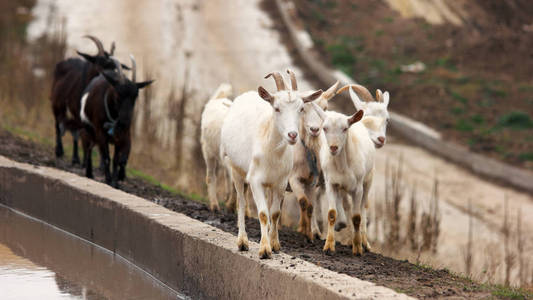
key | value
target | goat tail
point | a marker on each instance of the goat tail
(224, 90)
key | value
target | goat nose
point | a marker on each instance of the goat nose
(293, 135)
(381, 139)
(315, 129)
(333, 148)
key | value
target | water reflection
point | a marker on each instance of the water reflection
(38, 261)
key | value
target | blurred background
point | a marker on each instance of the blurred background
(463, 68)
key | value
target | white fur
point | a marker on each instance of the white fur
(375, 119)
(83, 116)
(215, 110)
(347, 171)
(376, 116)
(255, 142)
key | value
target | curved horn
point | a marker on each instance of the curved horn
(119, 69)
(329, 93)
(294, 84)
(133, 68)
(280, 84)
(97, 42)
(360, 90)
(112, 50)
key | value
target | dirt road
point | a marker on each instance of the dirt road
(233, 41)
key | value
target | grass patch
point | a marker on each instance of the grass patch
(517, 120)
(477, 119)
(464, 125)
(27, 135)
(131, 172)
(507, 292)
(458, 97)
(341, 57)
(457, 110)
(527, 156)
(446, 63)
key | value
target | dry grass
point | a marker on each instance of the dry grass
(26, 69)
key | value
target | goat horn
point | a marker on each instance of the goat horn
(112, 50)
(361, 91)
(133, 68)
(329, 93)
(119, 69)
(97, 42)
(280, 84)
(294, 84)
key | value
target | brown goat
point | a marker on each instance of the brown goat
(106, 112)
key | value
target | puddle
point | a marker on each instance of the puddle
(38, 261)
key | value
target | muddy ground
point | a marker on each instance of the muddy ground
(402, 276)
(476, 88)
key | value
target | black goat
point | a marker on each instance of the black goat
(106, 112)
(71, 77)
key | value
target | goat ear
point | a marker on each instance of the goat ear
(355, 117)
(386, 97)
(312, 97)
(144, 84)
(89, 58)
(319, 111)
(111, 77)
(355, 99)
(265, 95)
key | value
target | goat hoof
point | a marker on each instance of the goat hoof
(328, 252)
(242, 243)
(329, 249)
(340, 226)
(265, 253)
(367, 247)
(214, 207)
(275, 246)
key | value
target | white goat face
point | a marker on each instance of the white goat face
(311, 120)
(288, 109)
(336, 130)
(336, 127)
(376, 117)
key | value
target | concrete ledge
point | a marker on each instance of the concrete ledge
(184, 253)
(412, 130)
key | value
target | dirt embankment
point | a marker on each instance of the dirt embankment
(414, 280)
(476, 86)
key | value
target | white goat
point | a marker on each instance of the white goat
(375, 119)
(256, 135)
(306, 170)
(215, 110)
(347, 159)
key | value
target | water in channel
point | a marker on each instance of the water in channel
(39, 261)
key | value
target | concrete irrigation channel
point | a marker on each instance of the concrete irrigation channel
(183, 253)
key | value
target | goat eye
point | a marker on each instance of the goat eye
(301, 109)
(325, 129)
(344, 129)
(276, 109)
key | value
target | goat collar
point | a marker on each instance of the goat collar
(312, 163)
(111, 123)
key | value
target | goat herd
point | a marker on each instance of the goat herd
(266, 142)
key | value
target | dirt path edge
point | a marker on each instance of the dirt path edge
(408, 128)
(184, 253)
